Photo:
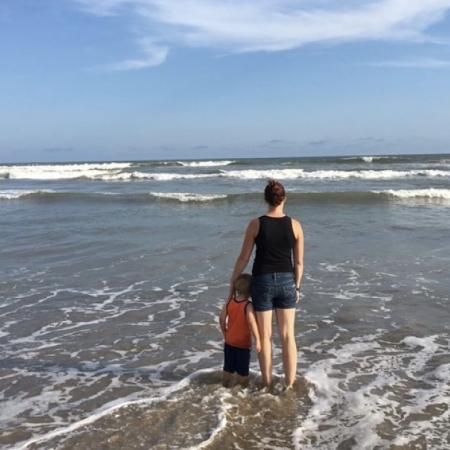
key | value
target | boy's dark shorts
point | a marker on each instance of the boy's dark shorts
(236, 360)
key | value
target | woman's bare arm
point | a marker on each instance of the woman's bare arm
(298, 254)
(246, 252)
(223, 320)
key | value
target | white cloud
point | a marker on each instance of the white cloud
(419, 63)
(153, 55)
(274, 25)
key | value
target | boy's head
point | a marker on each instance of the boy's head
(242, 285)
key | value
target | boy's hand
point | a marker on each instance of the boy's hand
(258, 346)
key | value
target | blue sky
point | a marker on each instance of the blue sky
(154, 79)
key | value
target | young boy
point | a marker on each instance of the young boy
(238, 324)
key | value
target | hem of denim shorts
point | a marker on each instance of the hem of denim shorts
(285, 307)
(263, 310)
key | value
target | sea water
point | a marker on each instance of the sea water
(112, 275)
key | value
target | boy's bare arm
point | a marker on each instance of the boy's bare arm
(223, 320)
(251, 319)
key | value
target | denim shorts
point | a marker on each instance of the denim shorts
(273, 290)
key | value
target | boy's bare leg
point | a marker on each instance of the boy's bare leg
(227, 377)
(243, 381)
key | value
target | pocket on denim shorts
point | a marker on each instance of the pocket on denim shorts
(261, 297)
(287, 297)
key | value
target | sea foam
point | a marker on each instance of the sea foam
(361, 381)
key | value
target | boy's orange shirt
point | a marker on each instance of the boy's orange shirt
(238, 330)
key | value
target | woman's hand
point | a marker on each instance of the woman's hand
(297, 293)
(231, 292)
(223, 321)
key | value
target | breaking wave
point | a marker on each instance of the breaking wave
(291, 174)
(205, 163)
(349, 197)
(187, 196)
(431, 193)
(133, 171)
(61, 171)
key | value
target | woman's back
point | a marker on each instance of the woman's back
(274, 244)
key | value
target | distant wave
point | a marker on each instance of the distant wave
(13, 194)
(431, 193)
(61, 171)
(388, 159)
(187, 196)
(372, 159)
(289, 174)
(282, 174)
(157, 176)
(205, 163)
(144, 197)
(131, 172)
(348, 197)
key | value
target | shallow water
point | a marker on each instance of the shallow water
(111, 285)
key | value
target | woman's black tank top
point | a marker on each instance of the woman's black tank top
(274, 244)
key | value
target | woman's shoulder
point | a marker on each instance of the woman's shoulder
(296, 227)
(253, 226)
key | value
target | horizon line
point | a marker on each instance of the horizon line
(351, 155)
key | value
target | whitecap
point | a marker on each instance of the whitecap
(430, 193)
(187, 196)
(205, 163)
(291, 174)
(60, 171)
(13, 194)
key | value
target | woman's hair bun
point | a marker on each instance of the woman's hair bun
(274, 193)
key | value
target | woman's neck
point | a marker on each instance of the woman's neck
(276, 211)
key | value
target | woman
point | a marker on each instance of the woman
(277, 274)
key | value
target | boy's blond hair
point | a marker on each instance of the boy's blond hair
(243, 284)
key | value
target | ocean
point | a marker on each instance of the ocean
(112, 276)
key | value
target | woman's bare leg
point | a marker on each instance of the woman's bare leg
(264, 320)
(286, 319)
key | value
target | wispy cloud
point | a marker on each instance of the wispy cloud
(152, 55)
(271, 25)
(419, 63)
